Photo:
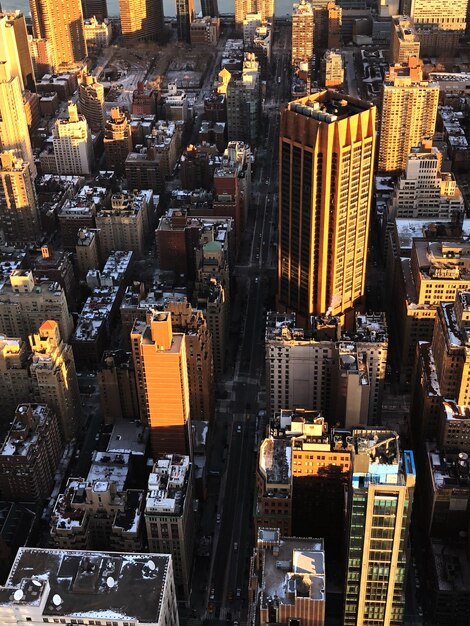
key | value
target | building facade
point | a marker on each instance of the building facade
(162, 382)
(19, 214)
(409, 110)
(14, 132)
(327, 149)
(170, 516)
(54, 377)
(117, 140)
(184, 17)
(382, 490)
(64, 34)
(30, 454)
(73, 148)
(141, 20)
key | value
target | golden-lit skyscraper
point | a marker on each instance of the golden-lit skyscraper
(242, 9)
(327, 143)
(409, 110)
(14, 133)
(162, 382)
(302, 32)
(61, 23)
(381, 500)
(245, 7)
(19, 215)
(14, 47)
(141, 20)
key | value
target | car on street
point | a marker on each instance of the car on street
(235, 546)
(239, 429)
(212, 594)
(239, 592)
(217, 519)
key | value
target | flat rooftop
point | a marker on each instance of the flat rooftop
(275, 461)
(83, 584)
(329, 106)
(297, 570)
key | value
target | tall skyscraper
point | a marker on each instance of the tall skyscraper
(210, 7)
(61, 23)
(14, 134)
(244, 102)
(447, 16)
(327, 143)
(162, 382)
(91, 101)
(19, 215)
(327, 19)
(14, 48)
(245, 7)
(266, 8)
(404, 40)
(73, 148)
(54, 376)
(409, 109)
(184, 17)
(141, 20)
(117, 140)
(242, 9)
(382, 490)
(302, 32)
(95, 8)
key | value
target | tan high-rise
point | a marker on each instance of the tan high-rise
(448, 15)
(409, 109)
(19, 215)
(54, 376)
(404, 40)
(327, 143)
(14, 134)
(162, 382)
(302, 32)
(141, 20)
(61, 23)
(14, 48)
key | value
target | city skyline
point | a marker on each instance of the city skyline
(235, 314)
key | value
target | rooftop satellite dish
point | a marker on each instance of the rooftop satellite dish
(150, 565)
(110, 582)
(37, 582)
(56, 600)
(18, 595)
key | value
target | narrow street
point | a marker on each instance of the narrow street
(219, 586)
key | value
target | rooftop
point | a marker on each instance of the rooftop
(294, 569)
(449, 470)
(328, 106)
(128, 437)
(451, 566)
(109, 466)
(84, 584)
(167, 484)
(275, 462)
(27, 430)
